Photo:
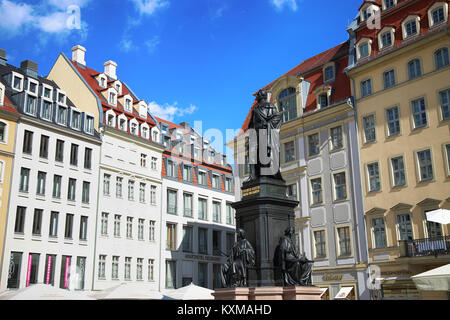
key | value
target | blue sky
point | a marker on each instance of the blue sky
(191, 59)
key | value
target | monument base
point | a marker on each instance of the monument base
(268, 293)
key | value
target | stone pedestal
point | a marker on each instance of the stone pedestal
(269, 293)
(266, 293)
(231, 294)
(302, 293)
(264, 212)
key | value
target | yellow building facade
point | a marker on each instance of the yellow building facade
(402, 102)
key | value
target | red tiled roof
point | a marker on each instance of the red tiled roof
(8, 105)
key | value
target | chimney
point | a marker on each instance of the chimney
(3, 57)
(30, 68)
(186, 125)
(110, 69)
(78, 53)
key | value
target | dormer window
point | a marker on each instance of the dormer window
(32, 86)
(323, 101)
(366, 14)
(17, 81)
(144, 132)
(61, 97)
(30, 105)
(386, 40)
(89, 127)
(363, 48)
(410, 26)
(47, 92)
(389, 4)
(329, 73)
(112, 98)
(367, 11)
(134, 127)
(155, 137)
(122, 123)
(102, 81)
(110, 120)
(75, 121)
(386, 37)
(143, 110)
(118, 87)
(128, 104)
(437, 14)
(46, 110)
(288, 102)
(61, 115)
(2, 94)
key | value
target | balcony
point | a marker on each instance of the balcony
(425, 247)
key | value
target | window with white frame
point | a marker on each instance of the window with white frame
(373, 174)
(75, 119)
(393, 121)
(141, 229)
(101, 267)
(129, 227)
(398, 171)
(340, 186)
(117, 219)
(154, 164)
(445, 104)
(144, 131)
(128, 104)
(153, 195)
(17, 81)
(410, 26)
(152, 230)
(33, 86)
(46, 109)
(143, 160)
(89, 126)
(133, 127)
(122, 123)
(441, 58)
(288, 102)
(369, 128)
(215, 181)
(434, 229)
(363, 48)
(386, 37)
(61, 97)
(291, 191)
(345, 248)
(202, 178)
(112, 97)
(119, 183)
(102, 81)
(131, 190)
(320, 244)
(104, 224)
(115, 268)
(437, 14)
(61, 114)
(31, 105)
(322, 100)
(151, 267)
(127, 274)
(118, 87)
(387, 4)
(313, 144)
(139, 269)
(142, 192)
(425, 165)
(337, 140)
(414, 69)
(419, 113)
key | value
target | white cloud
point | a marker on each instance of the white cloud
(148, 7)
(63, 4)
(15, 16)
(53, 23)
(281, 3)
(169, 112)
(152, 44)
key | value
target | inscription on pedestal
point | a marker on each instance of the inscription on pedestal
(251, 191)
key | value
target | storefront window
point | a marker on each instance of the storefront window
(80, 273)
(65, 272)
(32, 268)
(14, 270)
(49, 275)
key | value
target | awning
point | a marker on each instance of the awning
(344, 292)
(434, 280)
(441, 216)
(323, 291)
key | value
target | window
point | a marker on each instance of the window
(202, 178)
(115, 268)
(27, 142)
(24, 180)
(123, 124)
(419, 113)
(369, 128)
(143, 160)
(154, 163)
(445, 104)
(404, 227)
(17, 82)
(53, 231)
(171, 201)
(203, 275)
(117, 225)
(441, 58)
(153, 195)
(289, 151)
(75, 122)
(202, 241)
(434, 229)
(187, 173)
(47, 93)
(15, 267)
(3, 131)
(101, 267)
(336, 138)
(61, 115)
(386, 39)
(85, 193)
(142, 192)
(438, 16)
(89, 127)
(363, 50)
(379, 233)
(74, 155)
(320, 244)
(425, 165)
(171, 274)
(228, 184)
(88, 158)
(398, 171)
(106, 184)
(410, 28)
(292, 191)
(323, 101)
(345, 248)
(171, 236)
(40, 187)
(71, 189)
(59, 154)
(43, 150)
(374, 177)
(366, 88)
(171, 169)
(329, 73)
(133, 128)
(112, 98)
(50, 263)
(340, 186)
(389, 79)
(152, 230)
(127, 274)
(111, 120)
(119, 181)
(31, 105)
(130, 190)
(151, 268)
(393, 121)
(217, 242)
(37, 222)
(316, 191)
(2, 94)
(141, 229)
(217, 208)
(139, 269)
(414, 69)
(187, 201)
(188, 235)
(69, 226)
(447, 151)
(33, 267)
(83, 228)
(230, 214)
(46, 110)
(313, 144)
(202, 209)
(388, 4)
(104, 224)
(80, 273)
(57, 180)
(61, 97)
(288, 102)
(129, 227)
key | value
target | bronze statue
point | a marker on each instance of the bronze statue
(265, 151)
(242, 256)
(295, 267)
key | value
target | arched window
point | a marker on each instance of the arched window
(441, 58)
(288, 103)
(414, 69)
